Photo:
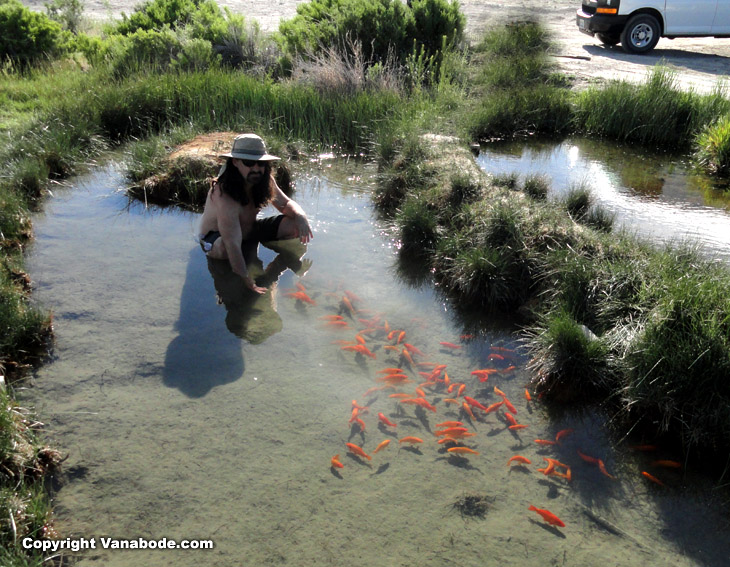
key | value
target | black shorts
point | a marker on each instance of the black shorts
(264, 230)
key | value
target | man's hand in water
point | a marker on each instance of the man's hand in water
(250, 284)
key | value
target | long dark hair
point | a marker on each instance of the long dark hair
(233, 184)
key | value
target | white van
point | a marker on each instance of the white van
(638, 24)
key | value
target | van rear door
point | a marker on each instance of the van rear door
(691, 17)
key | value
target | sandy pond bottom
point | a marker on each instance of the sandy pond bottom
(175, 427)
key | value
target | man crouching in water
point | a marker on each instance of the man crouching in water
(243, 187)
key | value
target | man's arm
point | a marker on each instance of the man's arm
(229, 225)
(291, 209)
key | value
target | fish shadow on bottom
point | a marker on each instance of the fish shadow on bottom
(553, 489)
(522, 469)
(412, 449)
(358, 460)
(385, 431)
(336, 473)
(382, 468)
(547, 527)
(457, 461)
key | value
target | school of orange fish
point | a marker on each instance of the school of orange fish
(409, 378)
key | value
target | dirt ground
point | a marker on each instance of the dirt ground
(700, 63)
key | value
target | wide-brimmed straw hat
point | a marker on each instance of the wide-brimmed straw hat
(249, 146)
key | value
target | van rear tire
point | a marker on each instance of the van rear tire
(641, 34)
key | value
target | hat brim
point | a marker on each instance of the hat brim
(252, 157)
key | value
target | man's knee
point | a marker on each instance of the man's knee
(287, 229)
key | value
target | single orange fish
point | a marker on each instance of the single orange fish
(462, 450)
(508, 369)
(562, 433)
(353, 416)
(360, 423)
(467, 409)
(548, 516)
(338, 323)
(420, 393)
(528, 397)
(348, 305)
(419, 402)
(519, 459)
(447, 380)
(460, 390)
(360, 349)
(401, 396)
(355, 450)
(466, 337)
(373, 390)
(394, 379)
(509, 405)
(301, 296)
(460, 434)
(473, 402)
(602, 468)
(667, 464)
(360, 339)
(449, 345)
(447, 440)
(493, 407)
(386, 421)
(499, 392)
(300, 286)
(450, 430)
(392, 333)
(352, 297)
(555, 462)
(393, 348)
(643, 447)
(390, 371)
(401, 336)
(335, 462)
(449, 424)
(382, 445)
(411, 440)
(358, 406)
(330, 318)
(501, 349)
(517, 426)
(510, 418)
(588, 458)
(412, 349)
(652, 478)
(495, 357)
(484, 371)
(545, 442)
(451, 401)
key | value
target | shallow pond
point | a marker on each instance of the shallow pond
(188, 411)
(657, 196)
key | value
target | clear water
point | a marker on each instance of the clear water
(655, 196)
(185, 418)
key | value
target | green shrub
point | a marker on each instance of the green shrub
(28, 37)
(202, 18)
(712, 147)
(68, 13)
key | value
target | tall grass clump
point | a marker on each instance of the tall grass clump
(655, 113)
(536, 187)
(712, 147)
(518, 93)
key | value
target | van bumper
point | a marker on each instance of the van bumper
(592, 24)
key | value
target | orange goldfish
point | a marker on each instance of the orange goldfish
(301, 296)
(510, 418)
(360, 339)
(462, 451)
(652, 478)
(449, 345)
(412, 349)
(386, 421)
(373, 390)
(460, 390)
(460, 434)
(361, 423)
(519, 459)
(517, 426)
(509, 405)
(300, 286)
(393, 348)
(667, 464)
(449, 424)
(419, 402)
(338, 323)
(528, 397)
(330, 318)
(447, 440)
(335, 462)
(407, 355)
(495, 357)
(493, 407)
(602, 468)
(401, 336)
(411, 440)
(548, 516)
(348, 305)
(450, 430)
(351, 296)
(355, 450)
(395, 379)
(360, 349)
(588, 458)
(390, 371)
(501, 349)
(545, 442)
(451, 401)
(499, 392)
(467, 409)
(508, 369)
(382, 445)
(562, 433)
(473, 402)
(401, 396)
(420, 393)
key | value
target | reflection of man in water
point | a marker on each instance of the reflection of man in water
(252, 316)
(229, 229)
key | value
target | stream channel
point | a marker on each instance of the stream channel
(190, 412)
